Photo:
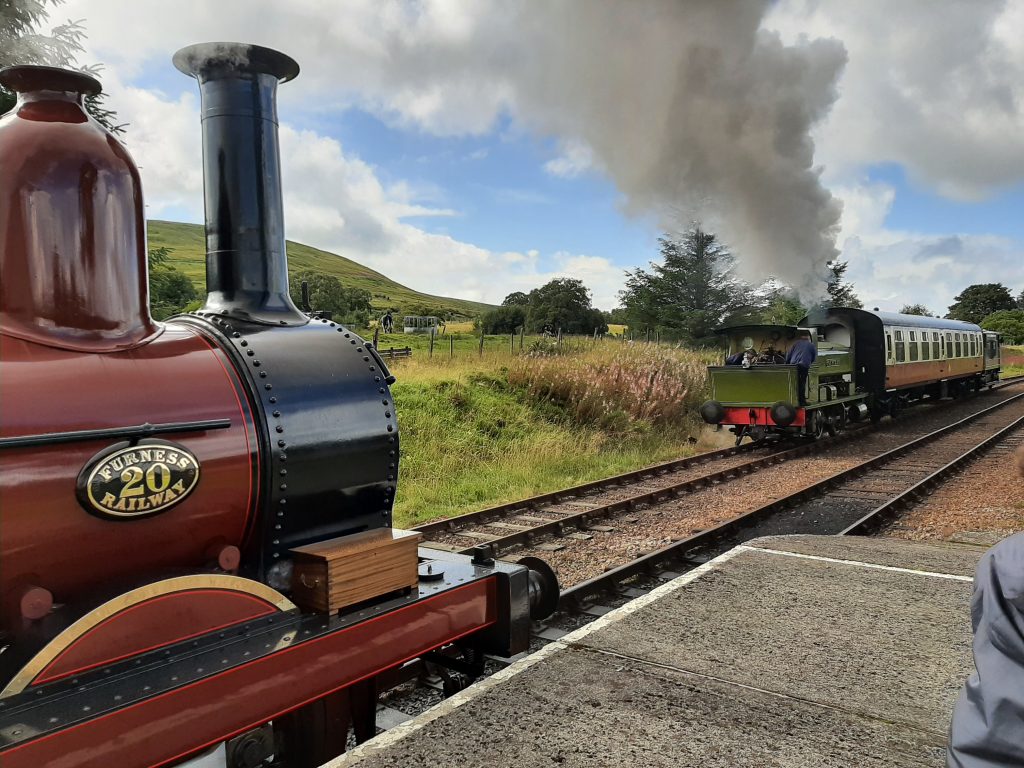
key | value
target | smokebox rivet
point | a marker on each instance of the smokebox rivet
(359, 349)
(391, 439)
(377, 379)
(268, 386)
(256, 363)
(385, 402)
(283, 472)
(250, 352)
(244, 343)
(277, 414)
(280, 428)
(366, 360)
(382, 391)
(237, 335)
(371, 367)
(273, 399)
(263, 374)
(387, 414)
(282, 456)
(282, 443)
(284, 486)
(390, 428)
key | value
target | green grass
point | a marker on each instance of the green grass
(471, 440)
(187, 245)
(1012, 361)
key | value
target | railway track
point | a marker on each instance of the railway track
(856, 500)
(579, 512)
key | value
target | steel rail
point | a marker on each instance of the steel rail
(884, 512)
(681, 550)
(497, 512)
(581, 520)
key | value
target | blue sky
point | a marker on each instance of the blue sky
(474, 149)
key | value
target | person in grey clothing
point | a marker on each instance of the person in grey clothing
(987, 730)
(802, 354)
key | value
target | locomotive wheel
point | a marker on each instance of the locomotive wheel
(817, 426)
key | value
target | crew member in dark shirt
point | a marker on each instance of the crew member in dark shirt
(802, 354)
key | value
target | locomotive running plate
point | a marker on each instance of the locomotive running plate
(130, 481)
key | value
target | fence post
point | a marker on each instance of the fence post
(659, 338)
(376, 335)
(431, 352)
(481, 342)
(648, 335)
(451, 346)
(522, 332)
(559, 338)
(512, 343)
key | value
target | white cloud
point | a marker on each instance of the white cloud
(938, 89)
(336, 201)
(891, 268)
(576, 158)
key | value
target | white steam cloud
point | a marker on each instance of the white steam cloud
(691, 108)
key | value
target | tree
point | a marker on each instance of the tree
(507, 319)
(1020, 300)
(782, 309)
(170, 290)
(916, 309)
(691, 292)
(22, 43)
(563, 303)
(516, 299)
(840, 293)
(976, 302)
(326, 294)
(1007, 322)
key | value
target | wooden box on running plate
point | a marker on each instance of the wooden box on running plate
(350, 569)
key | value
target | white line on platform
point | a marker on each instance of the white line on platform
(399, 732)
(857, 563)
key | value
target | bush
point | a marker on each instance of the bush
(614, 387)
(502, 320)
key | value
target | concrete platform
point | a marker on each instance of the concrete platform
(788, 652)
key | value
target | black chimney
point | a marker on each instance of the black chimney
(246, 263)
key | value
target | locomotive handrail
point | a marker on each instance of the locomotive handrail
(138, 431)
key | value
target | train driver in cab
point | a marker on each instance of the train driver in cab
(802, 354)
(745, 358)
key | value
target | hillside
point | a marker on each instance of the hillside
(187, 245)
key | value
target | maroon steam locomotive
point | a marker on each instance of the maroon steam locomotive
(157, 477)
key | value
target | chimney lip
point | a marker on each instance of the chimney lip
(201, 59)
(25, 78)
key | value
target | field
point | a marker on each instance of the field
(187, 245)
(1013, 361)
(477, 431)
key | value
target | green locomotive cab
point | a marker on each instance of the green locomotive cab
(756, 393)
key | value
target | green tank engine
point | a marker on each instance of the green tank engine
(869, 364)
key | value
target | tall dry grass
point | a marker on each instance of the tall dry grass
(611, 385)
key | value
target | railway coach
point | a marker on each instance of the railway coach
(869, 364)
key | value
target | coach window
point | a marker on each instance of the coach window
(936, 346)
(888, 346)
(925, 347)
(901, 347)
(958, 349)
(913, 347)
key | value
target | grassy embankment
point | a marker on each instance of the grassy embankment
(481, 431)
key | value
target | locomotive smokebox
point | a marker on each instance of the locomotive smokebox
(246, 262)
